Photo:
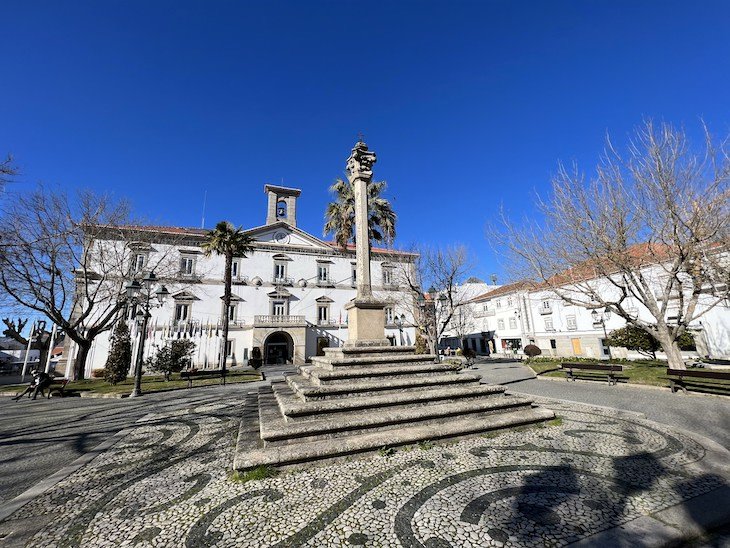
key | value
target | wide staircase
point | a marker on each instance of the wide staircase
(360, 399)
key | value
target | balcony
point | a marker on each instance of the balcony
(241, 280)
(484, 313)
(325, 282)
(279, 321)
(282, 281)
(327, 323)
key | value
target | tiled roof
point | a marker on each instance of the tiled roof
(505, 290)
(181, 230)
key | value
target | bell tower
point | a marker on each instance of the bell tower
(282, 205)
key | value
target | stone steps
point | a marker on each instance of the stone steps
(293, 406)
(308, 390)
(307, 451)
(358, 399)
(331, 362)
(275, 427)
(322, 376)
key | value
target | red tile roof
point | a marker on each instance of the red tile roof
(523, 285)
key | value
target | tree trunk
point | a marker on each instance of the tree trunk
(80, 363)
(226, 305)
(674, 355)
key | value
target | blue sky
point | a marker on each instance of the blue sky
(468, 105)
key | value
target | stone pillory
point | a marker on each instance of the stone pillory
(368, 394)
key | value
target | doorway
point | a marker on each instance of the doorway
(278, 348)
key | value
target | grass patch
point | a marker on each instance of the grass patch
(150, 383)
(386, 451)
(425, 445)
(258, 473)
(557, 421)
(642, 372)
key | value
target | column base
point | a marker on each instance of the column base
(366, 322)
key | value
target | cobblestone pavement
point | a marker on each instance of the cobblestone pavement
(598, 472)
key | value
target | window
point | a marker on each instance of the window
(235, 268)
(387, 276)
(187, 266)
(499, 303)
(509, 301)
(279, 271)
(389, 315)
(354, 276)
(232, 312)
(549, 324)
(545, 305)
(604, 347)
(571, 323)
(229, 348)
(553, 344)
(182, 312)
(323, 273)
(278, 308)
(139, 260)
(322, 313)
(513, 323)
(486, 307)
(500, 324)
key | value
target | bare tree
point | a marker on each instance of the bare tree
(68, 258)
(434, 280)
(42, 342)
(7, 171)
(646, 237)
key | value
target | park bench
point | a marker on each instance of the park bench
(593, 371)
(204, 374)
(58, 384)
(711, 381)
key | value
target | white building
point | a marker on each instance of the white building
(519, 314)
(288, 296)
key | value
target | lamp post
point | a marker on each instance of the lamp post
(140, 294)
(602, 318)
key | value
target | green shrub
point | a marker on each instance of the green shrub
(172, 358)
(120, 354)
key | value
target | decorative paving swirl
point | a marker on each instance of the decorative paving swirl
(167, 484)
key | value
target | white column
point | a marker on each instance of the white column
(50, 348)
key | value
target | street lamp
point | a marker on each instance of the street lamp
(602, 318)
(141, 294)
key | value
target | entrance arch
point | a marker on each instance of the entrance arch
(278, 348)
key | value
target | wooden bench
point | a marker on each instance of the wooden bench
(595, 370)
(57, 384)
(203, 374)
(680, 379)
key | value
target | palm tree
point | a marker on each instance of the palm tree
(229, 241)
(340, 214)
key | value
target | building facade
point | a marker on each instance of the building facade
(288, 296)
(515, 315)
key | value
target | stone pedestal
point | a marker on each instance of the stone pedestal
(366, 323)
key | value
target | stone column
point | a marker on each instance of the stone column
(366, 315)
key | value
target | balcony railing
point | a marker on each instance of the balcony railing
(484, 313)
(276, 320)
(282, 281)
(325, 282)
(240, 280)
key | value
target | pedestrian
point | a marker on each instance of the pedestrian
(31, 387)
